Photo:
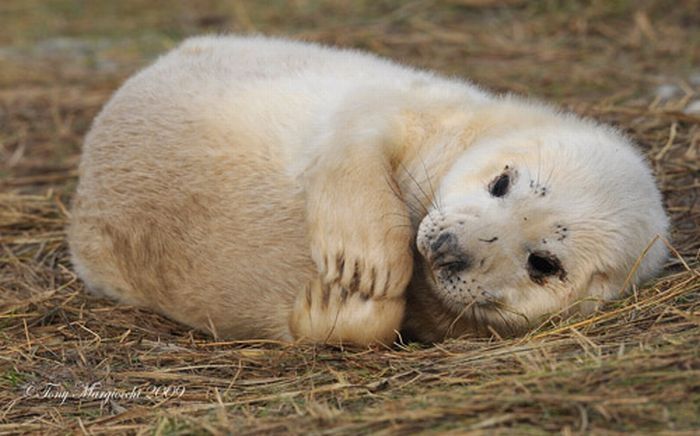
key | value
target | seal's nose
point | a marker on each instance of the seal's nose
(446, 255)
(444, 239)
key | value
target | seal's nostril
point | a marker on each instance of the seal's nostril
(447, 256)
(445, 238)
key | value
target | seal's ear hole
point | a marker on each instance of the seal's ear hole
(500, 185)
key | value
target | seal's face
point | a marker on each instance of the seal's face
(529, 225)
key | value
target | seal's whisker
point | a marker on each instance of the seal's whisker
(435, 198)
(506, 322)
(411, 207)
(399, 214)
(529, 174)
(424, 208)
(481, 326)
(509, 309)
(420, 188)
(549, 176)
(539, 164)
(398, 226)
(416, 206)
(450, 329)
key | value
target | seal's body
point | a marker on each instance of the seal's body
(263, 188)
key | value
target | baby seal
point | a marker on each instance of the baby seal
(262, 188)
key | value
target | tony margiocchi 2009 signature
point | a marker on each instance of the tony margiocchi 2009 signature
(96, 391)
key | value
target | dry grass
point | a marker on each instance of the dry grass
(633, 367)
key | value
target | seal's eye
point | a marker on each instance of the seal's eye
(499, 186)
(541, 265)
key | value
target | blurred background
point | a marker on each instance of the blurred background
(558, 48)
(60, 59)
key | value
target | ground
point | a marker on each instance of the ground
(634, 366)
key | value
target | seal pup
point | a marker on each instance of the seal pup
(256, 187)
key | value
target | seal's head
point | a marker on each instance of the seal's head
(541, 221)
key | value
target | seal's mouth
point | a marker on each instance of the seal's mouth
(451, 266)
